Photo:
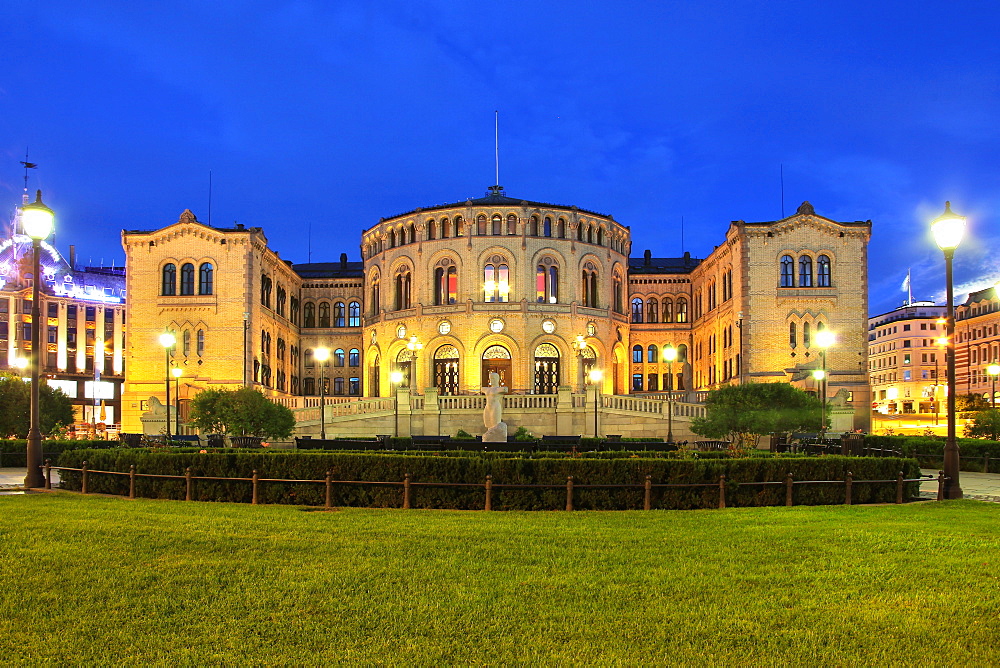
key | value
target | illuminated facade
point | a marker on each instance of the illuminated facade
(977, 342)
(539, 293)
(906, 360)
(83, 313)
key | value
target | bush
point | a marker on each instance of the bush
(13, 452)
(548, 471)
(973, 451)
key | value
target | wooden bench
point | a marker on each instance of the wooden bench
(711, 446)
(550, 443)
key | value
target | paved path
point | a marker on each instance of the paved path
(981, 486)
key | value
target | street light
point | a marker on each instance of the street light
(941, 342)
(948, 229)
(177, 372)
(993, 370)
(596, 376)
(36, 221)
(395, 378)
(580, 345)
(670, 354)
(414, 347)
(167, 340)
(824, 339)
(820, 375)
(321, 355)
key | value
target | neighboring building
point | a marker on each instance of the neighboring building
(906, 360)
(977, 342)
(539, 293)
(83, 313)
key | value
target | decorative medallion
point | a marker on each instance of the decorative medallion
(496, 325)
(401, 332)
(548, 326)
(444, 327)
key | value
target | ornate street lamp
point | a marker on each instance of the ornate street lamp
(321, 355)
(414, 346)
(177, 372)
(993, 371)
(824, 339)
(395, 378)
(36, 221)
(948, 229)
(167, 340)
(596, 376)
(670, 354)
(580, 345)
(942, 343)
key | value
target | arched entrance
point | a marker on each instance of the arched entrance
(373, 378)
(446, 369)
(404, 364)
(546, 369)
(589, 363)
(496, 358)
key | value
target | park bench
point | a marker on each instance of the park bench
(131, 440)
(185, 439)
(556, 442)
(711, 446)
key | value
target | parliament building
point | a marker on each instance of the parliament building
(543, 294)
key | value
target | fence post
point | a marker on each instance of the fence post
(83, 483)
(940, 486)
(647, 501)
(48, 474)
(722, 491)
(329, 491)
(848, 483)
(489, 492)
(569, 492)
(253, 479)
(986, 464)
(187, 484)
(406, 491)
(788, 489)
(131, 481)
(899, 487)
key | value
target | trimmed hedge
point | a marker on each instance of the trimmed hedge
(14, 452)
(474, 469)
(972, 451)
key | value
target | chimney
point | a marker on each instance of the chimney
(648, 257)
(343, 261)
(72, 257)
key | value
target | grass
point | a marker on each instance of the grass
(91, 580)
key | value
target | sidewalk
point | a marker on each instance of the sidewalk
(979, 486)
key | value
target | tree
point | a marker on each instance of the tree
(969, 403)
(741, 414)
(55, 408)
(243, 412)
(984, 424)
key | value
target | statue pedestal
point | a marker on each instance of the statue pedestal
(497, 434)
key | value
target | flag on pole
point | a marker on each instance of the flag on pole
(905, 287)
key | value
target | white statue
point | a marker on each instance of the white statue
(496, 429)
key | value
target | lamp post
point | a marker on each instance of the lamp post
(819, 375)
(993, 371)
(948, 229)
(167, 340)
(739, 324)
(414, 346)
(321, 355)
(670, 354)
(36, 221)
(596, 376)
(580, 345)
(177, 372)
(941, 342)
(395, 378)
(824, 339)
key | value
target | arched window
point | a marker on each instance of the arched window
(546, 369)
(533, 229)
(265, 290)
(496, 223)
(446, 282)
(169, 279)
(616, 282)
(805, 334)
(668, 310)
(459, 226)
(402, 236)
(376, 295)
(201, 343)
(186, 342)
(187, 279)
(308, 314)
(787, 272)
(561, 229)
(805, 271)
(682, 310)
(430, 230)
(823, 271)
(547, 227)
(496, 280)
(590, 285)
(324, 314)
(600, 236)
(402, 289)
(205, 278)
(637, 354)
(652, 354)
(392, 238)
(354, 357)
(652, 312)
(338, 315)
(791, 335)
(547, 282)
(354, 314)
(590, 234)
(413, 233)
(338, 357)
(307, 358)
(637, 310)
(481, 225)
(511, 224)
(445, 228)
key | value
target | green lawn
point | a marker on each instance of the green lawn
(90, 580)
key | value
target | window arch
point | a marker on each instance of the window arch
(324, 314)
(668, 310)
(652, 354)
(481, 225)
(787, 272)
(459, 226)
(682, 309)
(637, 310)
(354, 357)
(169, 287)
(805, 334)
(496, 280)
(805, 271)
(637, 354)
(445, 282)
(511, 224)
(338, 357)
(187, 279)
(376, 294)
(561, 228)
(791, 335)
(354, 314)
(201, 343)
(339, 319)
(430, 229)
(547, 227)
(616, 286)
(533, 228)
(308, 314)
(590, 285)
(496, 225)
(547, 281)
(403, 280)
(445, 228)
(186, 342)
(823, 271)
(205, 278)
(652, 310)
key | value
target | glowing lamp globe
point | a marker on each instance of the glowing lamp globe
(167, 340)
(669, 354)
(321, 354)
(825, 338)
(37, 219)
(948, 228)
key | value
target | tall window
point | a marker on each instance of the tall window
(187, 279)
(186, 342)
(682, 310)
(481, 226)
(338, 357)
(431, 225)
(339, 319)
(324, 314)
(637, 310)
(823, 271)
(201, 343)
(376, 295)
(265, 290)
(805, 271)
(308, 314)
(280, 299)
(511, 224)
(652, 354)
(446, 283)
(402, 290)
(354, 357)
(547, 227)
(496, 280)
(497, 224)
(205, 278)
(805, 334)
(651, 310)
(617, 287)
(787, 272)
(354, 314)
(791, 334)
(668, 310)
(169, 279)
(637, 354)
(590, 285)
(533, 228)
(547, 282)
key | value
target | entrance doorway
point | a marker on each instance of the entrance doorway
(446, 370)
(496, 358)
(546, 369)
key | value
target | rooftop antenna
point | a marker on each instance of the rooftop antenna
(210, 198)
(27, 166)
(682, 235)
(496, 144)
(309, 237)
(781, 168)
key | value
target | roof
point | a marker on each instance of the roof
(496, 196)
(662, 265)
(340, 269)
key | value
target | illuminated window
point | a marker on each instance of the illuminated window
(637, 310)
(787, 272)
(324, 314)
(637, 354)
(338, 315)
(205, 278)
(308, 314)
(805, 271)
(354, 314)
(823, 271)
(652, 314)
(169, 279)
(547, 282)
(496, 280)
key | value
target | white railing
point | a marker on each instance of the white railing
(462, 402)
(531, 401)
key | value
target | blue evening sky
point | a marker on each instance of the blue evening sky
(329, 115)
